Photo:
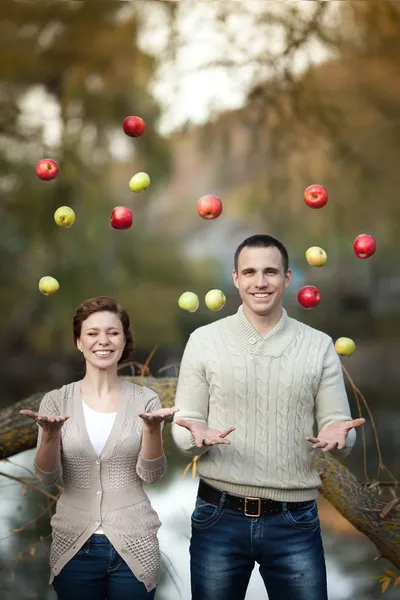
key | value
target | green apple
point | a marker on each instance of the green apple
(139, 182)
(189, 301)
(48, 285)
(316, 256)
(64, 217)
(215, 299)
(345, 346)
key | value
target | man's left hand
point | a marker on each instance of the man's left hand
(334, 436)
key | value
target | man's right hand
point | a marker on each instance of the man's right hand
(203, 435)
(51, 425)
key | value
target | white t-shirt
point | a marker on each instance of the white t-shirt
(99, 426)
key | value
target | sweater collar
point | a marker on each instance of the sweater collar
(273, 344)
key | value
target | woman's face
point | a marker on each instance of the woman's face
(102, 339)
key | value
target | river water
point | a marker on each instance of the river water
(349, 557)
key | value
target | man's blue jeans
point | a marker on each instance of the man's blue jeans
(225, 546)
(97, 572)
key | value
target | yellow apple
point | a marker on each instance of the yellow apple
(64, 217)
(316, 256)
(48, 285)
(189, 301)
(215, 299)
(345, 346)
(139, 182)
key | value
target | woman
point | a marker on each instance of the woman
(101, 438)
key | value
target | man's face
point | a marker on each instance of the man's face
(261, 279)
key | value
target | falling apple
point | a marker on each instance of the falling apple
(64, 217)
(315, 196)
(139, 182)
(48, 285)
(209, 207)
(316, 256)
(345, 346)
(364, 246)
(121, 218)
(189, 301)
(47, 169)
(134, 126)
(215, 300)
(309, 296)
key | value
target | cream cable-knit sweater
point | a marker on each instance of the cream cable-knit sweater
(275, 390)
(104, 490)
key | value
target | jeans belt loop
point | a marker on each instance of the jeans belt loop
(284, 507)
(222, 500)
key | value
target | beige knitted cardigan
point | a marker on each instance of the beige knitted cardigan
(104, 490)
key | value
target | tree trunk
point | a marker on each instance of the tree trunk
(363, 508)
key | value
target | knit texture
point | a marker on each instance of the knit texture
(275, 390)
(105, 490)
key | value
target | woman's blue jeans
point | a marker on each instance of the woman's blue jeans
(97, 572)
(225, 546)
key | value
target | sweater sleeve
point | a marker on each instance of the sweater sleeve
(192, 396)
(48, 406)
(331, 403)
(152, 470)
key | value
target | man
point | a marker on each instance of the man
(265, 380)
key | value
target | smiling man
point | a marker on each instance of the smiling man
(252, 387)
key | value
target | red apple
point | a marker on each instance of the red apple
(364, 246)
(315, 196)
(309, 296)
(47, 169)
(134, 126)
(121, 218)
(209, 207)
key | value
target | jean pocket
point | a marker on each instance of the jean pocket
(304, 518)
(205, 515)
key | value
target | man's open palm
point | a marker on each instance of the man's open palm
(203, 435)
(334, 436)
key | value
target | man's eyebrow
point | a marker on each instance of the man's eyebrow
(265, 269)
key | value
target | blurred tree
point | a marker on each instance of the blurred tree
(69, 74)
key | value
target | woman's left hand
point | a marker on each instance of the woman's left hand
(155, 418)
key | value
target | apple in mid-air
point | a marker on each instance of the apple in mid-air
(121, 218)
(64, 217)
(134, 126)
(48, 285)
(309, 296)
(139, 182)
(215, 300)
(209, 207)
(345, 346)
(364, 245)
(47, 169)
(315, 196)
(189, 301)
(316, 256)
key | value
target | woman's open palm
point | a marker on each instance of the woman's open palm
(51, 425)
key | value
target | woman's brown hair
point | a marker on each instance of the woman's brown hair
(104, 303)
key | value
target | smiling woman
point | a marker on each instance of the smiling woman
(101, 438)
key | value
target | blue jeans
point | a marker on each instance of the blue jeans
(225, 546)
(97, 572)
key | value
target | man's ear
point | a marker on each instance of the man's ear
(235, 279)
(288, 277)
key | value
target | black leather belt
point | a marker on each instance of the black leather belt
(249, 506)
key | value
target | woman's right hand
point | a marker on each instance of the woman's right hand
(51, 425)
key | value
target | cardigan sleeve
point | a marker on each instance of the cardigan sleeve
(152, 470)
(50, 407)
(331, 403)
(192, 396)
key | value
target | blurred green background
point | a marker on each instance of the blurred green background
(251, 101)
